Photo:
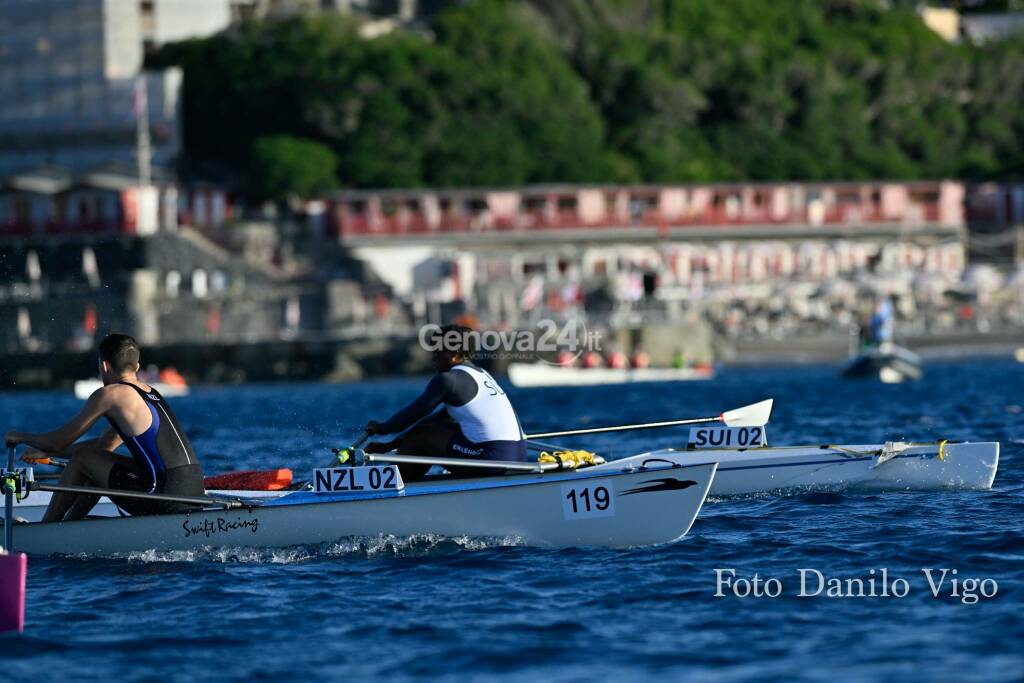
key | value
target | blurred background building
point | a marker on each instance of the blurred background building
(218, 223)
(71, 71)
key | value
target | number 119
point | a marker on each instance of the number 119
(600, 501)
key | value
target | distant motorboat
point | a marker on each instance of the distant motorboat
(1019, 355)
(887, 362)
(84, 388)
(544, 375)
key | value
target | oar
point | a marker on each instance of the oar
(541, 446)
(52, 460)
(515, 465)
(184, 500)
(754, 415)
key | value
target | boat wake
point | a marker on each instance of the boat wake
(363, 547)
(418, 545)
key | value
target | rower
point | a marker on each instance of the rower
(882, 321)
(162, 460)
(478, 420)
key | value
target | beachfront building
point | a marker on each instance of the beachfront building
(995, 215)
(658, 251)
(74, 92)
(954, 26)
(53, 201)
(726, 233)
(767, 207)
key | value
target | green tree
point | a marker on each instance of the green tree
(506, 92)
(488, 102)
(281, 166)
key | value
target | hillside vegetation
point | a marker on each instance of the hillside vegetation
(505, 93)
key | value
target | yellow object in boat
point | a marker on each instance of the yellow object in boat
(570, 460)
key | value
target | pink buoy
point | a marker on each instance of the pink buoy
(13, 568)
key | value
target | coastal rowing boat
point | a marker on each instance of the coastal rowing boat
(893, 466)
(613, 507)
(542, 375)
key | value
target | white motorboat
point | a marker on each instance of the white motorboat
(887, 362)
(84, 388)
(544, 375)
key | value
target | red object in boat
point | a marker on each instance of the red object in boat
(13, 568)
(250, 480)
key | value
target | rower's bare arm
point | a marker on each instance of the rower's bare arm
(109, 440)
(61, 438)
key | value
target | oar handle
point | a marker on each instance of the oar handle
(118, 493)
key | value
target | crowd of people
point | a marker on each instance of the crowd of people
(983, 301)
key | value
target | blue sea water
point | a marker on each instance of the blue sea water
(463, 610)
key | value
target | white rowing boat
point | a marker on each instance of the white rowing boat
(84, 388)
(878, 467)
(543, 375)
(612, 507)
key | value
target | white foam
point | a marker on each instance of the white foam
(369, 546)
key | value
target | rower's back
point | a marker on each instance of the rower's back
(163, 459)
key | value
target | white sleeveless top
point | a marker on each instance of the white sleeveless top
(489, 416)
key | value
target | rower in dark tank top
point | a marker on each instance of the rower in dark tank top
(162, 455)
(162, 459)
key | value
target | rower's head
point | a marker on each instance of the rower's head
(453, 344)
(119, 356)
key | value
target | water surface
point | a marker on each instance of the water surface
(458, 609)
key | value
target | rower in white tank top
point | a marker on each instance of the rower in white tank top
(489, 415)
(478, 420)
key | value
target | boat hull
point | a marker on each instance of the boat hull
(963, 466)
(541, 375)
(529, 508)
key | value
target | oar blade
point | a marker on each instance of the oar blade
(754, 415)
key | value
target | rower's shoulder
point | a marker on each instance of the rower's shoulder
(119, 391)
